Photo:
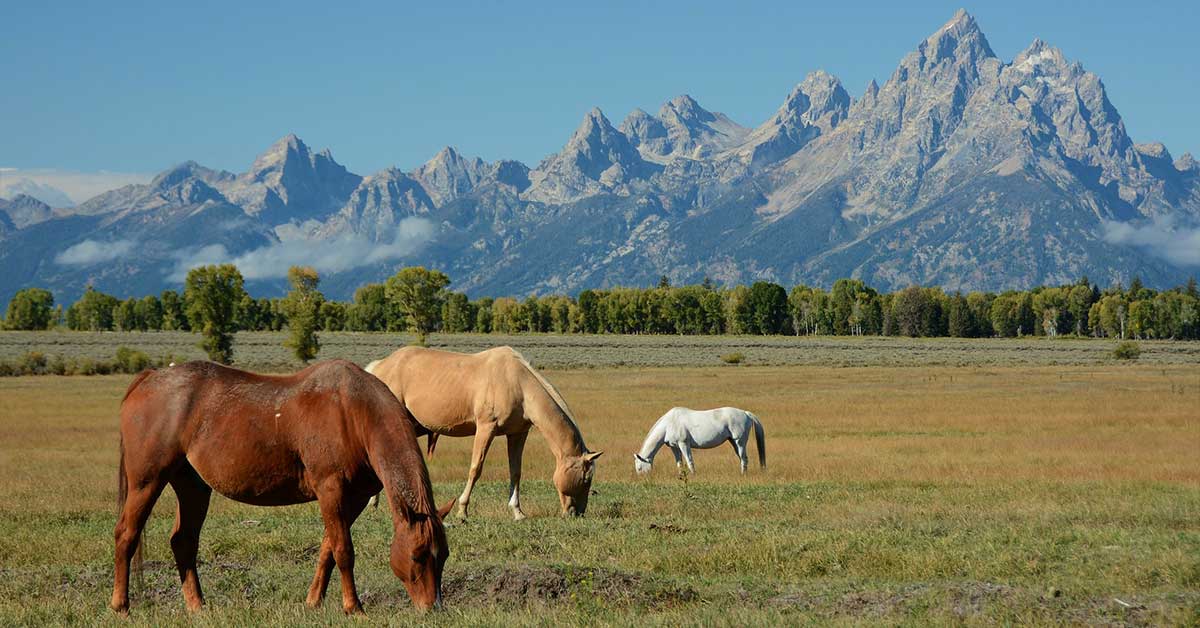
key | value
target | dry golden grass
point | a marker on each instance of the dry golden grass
(899, 424)
(931, 494)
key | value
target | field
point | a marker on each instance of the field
(265, 350)
(1040, 482)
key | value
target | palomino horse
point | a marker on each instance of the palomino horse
(330, 433)
(683, 429)
(489, 394)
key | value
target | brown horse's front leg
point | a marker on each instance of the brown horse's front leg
(193, 496)
(316, 592)
(339, 511)
(483, 440)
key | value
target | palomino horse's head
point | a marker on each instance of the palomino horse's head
(573, 478)
(419, 552)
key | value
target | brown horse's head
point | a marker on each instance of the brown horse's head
(573, 478)
(419, 552)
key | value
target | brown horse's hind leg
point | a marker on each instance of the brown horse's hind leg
(339, 510)
(193, 496)
(128, 534)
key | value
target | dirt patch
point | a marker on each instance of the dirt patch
(667, 528)
(523, 585)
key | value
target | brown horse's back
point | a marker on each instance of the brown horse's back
(254, 438)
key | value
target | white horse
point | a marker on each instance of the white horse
(683, 429)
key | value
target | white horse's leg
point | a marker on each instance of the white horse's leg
(678, 458)
(739, 446)
(686, 450)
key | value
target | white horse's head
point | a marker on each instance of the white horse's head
(641, 465)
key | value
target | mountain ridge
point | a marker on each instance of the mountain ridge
(960, 169)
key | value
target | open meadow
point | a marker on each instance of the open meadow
(1039, 482)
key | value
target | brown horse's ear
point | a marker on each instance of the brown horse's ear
(445, 510)
(592, 455)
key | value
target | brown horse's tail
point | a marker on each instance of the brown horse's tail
(432, 443)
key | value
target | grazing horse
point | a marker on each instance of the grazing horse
(330, 433)
(488, 394)
(683, 429)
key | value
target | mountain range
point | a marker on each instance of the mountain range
(960, 170)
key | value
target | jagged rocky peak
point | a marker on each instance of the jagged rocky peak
(684, 110)
(641, 127)
(596, 146)
(188, 170)
(827, 101)
(814, 107)
(1187, 163)
(513, 173)
(1154, 150)
(288, 183)
(450, 175)
(24, 210)
(597, 158)
(959, 38)
(682, 128)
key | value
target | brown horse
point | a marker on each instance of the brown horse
(330, 433)
(488, 394)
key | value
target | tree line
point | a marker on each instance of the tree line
(215, 303)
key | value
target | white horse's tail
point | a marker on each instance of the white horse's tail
(760, 439)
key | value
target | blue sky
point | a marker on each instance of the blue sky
(137, 87)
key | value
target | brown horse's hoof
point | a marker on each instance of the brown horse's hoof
(356, 610)
(121, 611)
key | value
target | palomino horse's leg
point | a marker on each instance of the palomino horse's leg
(339, 510)
(516, 449)
(193, 496)
(130, 523)
(483, 440)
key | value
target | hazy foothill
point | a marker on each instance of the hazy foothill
(959, 308)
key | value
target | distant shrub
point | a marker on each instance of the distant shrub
(58, 366)
(33, 363)
(733, 358)
(131, 360)
(1127, 350)
(8, 370)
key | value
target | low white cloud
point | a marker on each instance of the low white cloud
(1162, 238)
(93, 252)
(330, 256)
(74, 185)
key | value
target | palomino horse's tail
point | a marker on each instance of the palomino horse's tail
(123, 482)
(760, 439)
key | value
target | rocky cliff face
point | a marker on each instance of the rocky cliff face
(961, 170)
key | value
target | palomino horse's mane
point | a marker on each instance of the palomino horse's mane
(554, 395)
